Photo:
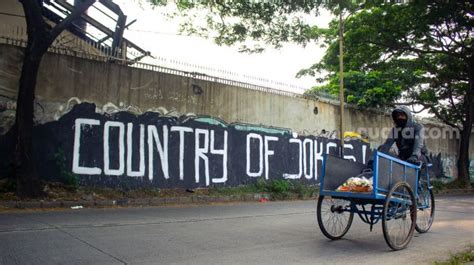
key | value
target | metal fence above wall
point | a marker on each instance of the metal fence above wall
(72, 46)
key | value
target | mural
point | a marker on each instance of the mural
(125, 150)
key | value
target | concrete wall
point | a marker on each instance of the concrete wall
(12, 13)
(66, 80)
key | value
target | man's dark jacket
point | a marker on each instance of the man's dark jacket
(409, 139)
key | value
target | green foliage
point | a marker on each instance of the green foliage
(374, 89)
(437, 186)
(279, 186)
(278, 189)
(284, 189)
(253, 24)
(66, 176)
(464, 257)
(425, 47)
(261, 185)
(420, 51)
(455, 184)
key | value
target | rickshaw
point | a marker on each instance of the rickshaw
(401, 197)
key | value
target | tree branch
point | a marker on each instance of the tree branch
(34, 18)
(441, 117)
(432, 108)
(451, 100)
(405, 45)
(418, 111)
(450, 33)
(78, 11)
(410, 103)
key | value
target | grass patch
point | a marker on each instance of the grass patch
(463, 257)
(7, 189)
(71, 191)
(65, 174)
(439, 186)
(277, 189)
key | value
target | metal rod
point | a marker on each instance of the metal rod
(109, 16)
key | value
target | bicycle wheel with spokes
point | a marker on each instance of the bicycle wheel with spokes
(426, 208)
(399, 216)
(334, 216)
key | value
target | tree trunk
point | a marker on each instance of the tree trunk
(25, 169)
(463, 162)
(39, 39)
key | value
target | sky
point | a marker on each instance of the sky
(158, 34)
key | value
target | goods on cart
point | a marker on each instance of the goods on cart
(356, 184)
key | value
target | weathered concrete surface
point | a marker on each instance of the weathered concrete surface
(110, 86)
(67, 80)
(253, 233)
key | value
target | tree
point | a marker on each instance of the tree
(425, 46)
(40, 36)
(253, 24)
(375, 89)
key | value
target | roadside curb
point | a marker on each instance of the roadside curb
(456, 192)
(165, 201)
(139, 202)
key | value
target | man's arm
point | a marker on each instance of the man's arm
(385, 147)
(419, 141)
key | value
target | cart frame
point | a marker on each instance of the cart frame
(396, 196)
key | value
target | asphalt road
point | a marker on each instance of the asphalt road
(246, 233)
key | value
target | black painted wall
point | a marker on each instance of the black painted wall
(187, 152)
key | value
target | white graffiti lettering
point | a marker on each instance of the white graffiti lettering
(300, 161)
(200, 154)
(76, 167)
(121, 145)
(268, 153)
(222, 152)
(181, 131)
(311, 161)
(351, 157)
(162, 147)
(318, 156)
(141, 169)
(258, 137)
(155, 147)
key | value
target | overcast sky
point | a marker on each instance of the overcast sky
(158, 34)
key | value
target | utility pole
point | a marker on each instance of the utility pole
(341, 73)
(341, 82)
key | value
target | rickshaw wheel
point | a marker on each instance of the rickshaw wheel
(399, 216)
(333, 216)
(426, 208)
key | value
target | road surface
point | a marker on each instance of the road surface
(243, 233)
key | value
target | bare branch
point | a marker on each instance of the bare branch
(451, 100)
(450, 33)
(419, 111)
(441, 117)
(411, 103)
